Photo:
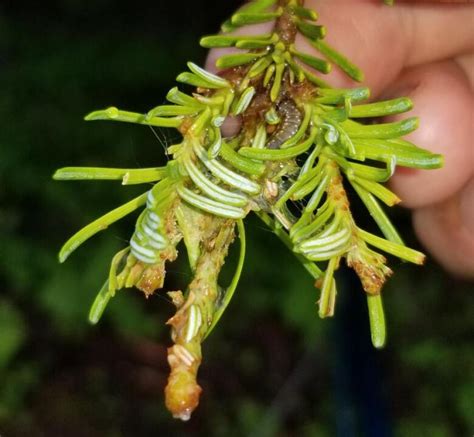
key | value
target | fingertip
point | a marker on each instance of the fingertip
(443, 101)
(254, 29)
(446, 230)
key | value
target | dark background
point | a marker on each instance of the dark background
(272, 367)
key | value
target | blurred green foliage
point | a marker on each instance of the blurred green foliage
(268, 368)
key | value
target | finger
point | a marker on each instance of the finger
(436, 1)
(439, 31)
(255, 29)
(447, 231)
(444, 102)
(382, 40)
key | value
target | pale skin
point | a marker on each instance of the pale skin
(423, 50)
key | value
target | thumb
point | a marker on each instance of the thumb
(382, 40)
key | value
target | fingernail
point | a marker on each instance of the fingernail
(467, 206)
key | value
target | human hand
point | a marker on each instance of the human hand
(423, 50)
